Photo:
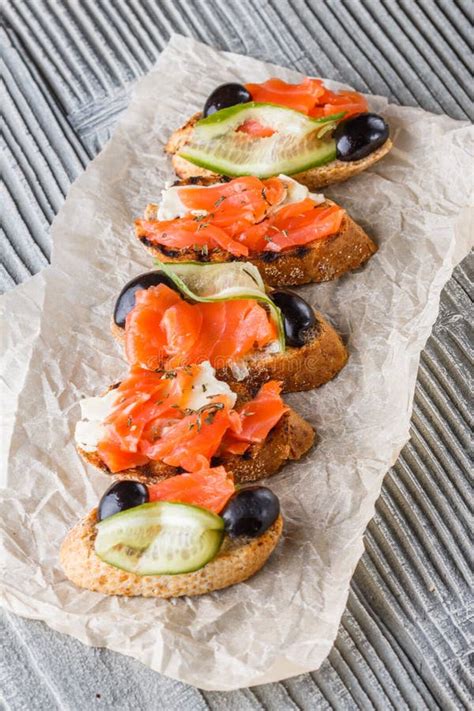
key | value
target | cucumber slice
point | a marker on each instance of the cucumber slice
(216, 281)
(296, 145)
(160, 538)
(222, 282)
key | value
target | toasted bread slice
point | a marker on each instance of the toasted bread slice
(318, 261)
(303, 368)
(320, 177)
(290, 439)
(237, 560)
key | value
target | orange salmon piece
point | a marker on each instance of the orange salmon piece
(247, 327)
(182, 325)
(254, 128)
(145, 340)
(245, 218)
(311, 225)
(300, 97)
(117, 459)
(209, 488)
(163, 330)
(258, 417)
(309, 97)
(194, 439)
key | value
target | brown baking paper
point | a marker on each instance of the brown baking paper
(58, 348)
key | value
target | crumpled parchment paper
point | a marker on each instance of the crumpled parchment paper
(57, 347)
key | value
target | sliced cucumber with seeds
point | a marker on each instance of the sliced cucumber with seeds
(298, 144)
(223, 282)
(160, 538)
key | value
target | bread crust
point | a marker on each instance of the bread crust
(305, 368)
(235, 562)
(319, 177)
(319, 261)
(290, 439)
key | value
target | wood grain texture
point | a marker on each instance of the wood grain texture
(68, 67)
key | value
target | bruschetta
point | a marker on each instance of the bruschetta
(155, 424)
(189, 535)
(182, 314)
(304, 130)
(291, 235)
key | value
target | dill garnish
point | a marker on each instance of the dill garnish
(210, 410)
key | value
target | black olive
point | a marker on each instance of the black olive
(299, 320)
(126, 299)
(359, 136)
(121, 496)
(250, 512)
(224, 96)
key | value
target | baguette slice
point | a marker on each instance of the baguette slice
(303, 368)
(290, 439)
(318, 261)
(236, 561)
(319, 177)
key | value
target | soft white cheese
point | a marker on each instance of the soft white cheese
(296, 192)
(94, 410)
(205, 386)
(87, 434)
(172, 207)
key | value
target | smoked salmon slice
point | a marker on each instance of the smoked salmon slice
(209, 488)
(258, 417)
(254, 128)
(117, 459)
(147, 346)
(151, 420)
(300, 97)
(190, 232)
(302, 227)
(309, 97)
(191, 441)
(164, 330)
(246, 215)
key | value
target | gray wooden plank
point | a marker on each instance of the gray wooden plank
(65, 674)
(87, 49)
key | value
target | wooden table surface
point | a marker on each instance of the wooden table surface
(68, 67)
